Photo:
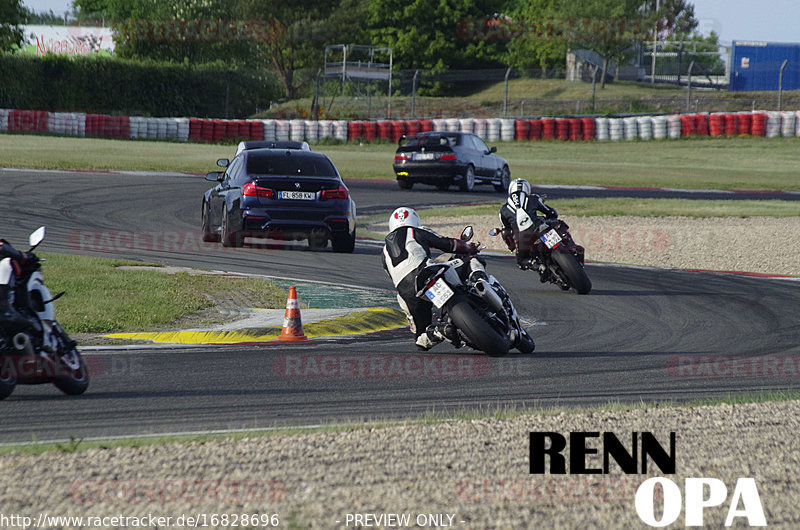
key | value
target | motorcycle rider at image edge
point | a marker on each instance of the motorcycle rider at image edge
(407, 250)
(519, 214)
(10, 261)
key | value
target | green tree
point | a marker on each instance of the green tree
(675, 22)
(302, 30)
(675, 17)
(190, 31)
(429, 33)
(532, 43)
(87, 10)
(611, 28)
(12, 16)
(47, 18)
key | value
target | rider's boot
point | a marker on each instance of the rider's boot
(442, 331)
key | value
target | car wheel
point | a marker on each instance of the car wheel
(505, 180)
(209, 235)
(468, 182)
(404, 184)
(229, 238)
(344, 243)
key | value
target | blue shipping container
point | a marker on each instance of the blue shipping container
(756, 66)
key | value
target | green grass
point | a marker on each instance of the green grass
(101, 298)
(52, 152)
(499, 412)
(693, 163)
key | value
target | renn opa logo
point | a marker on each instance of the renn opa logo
(546, 457)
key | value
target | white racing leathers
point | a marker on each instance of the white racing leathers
(406, 252)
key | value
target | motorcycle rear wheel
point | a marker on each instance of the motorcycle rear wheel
(574, 272)
(478, 331)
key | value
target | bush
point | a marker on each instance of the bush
(116, 86)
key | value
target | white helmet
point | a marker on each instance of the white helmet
(519, 185)
(403, 217)
(518, 192)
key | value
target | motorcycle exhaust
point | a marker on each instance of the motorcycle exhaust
(487, 293)
(22, 343)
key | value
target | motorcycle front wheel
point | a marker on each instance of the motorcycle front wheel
(479, 332)
(77, 381)
(8, 376)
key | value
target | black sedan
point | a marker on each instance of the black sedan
(284, 194)
(446, 158)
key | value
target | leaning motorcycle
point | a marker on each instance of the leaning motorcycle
(556, 256)
(479, 308)
(51, 358)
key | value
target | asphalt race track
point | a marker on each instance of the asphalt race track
(642, 334)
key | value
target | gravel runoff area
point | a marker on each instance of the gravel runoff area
(476, 472)
(765, 245)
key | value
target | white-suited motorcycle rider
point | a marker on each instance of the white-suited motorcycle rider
(406, 252)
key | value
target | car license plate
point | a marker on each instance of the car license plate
(439, 293)
(424, 156)
(301, 195)
(551, 239)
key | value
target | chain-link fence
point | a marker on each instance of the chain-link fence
(508, 92)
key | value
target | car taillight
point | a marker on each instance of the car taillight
(400, 157)
(251, 190)
(448, 156)
(338, 193)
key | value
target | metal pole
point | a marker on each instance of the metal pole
(414, 94)
(389, 104)
(780, 84)
(689, 86)
(505, 93)
(594, 85)
(227, 93)
(344, 66)
(655, 44)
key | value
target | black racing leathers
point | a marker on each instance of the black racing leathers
(509, 217)
(10, 318)
(405, 253)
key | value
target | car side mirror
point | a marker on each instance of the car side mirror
(493, 150)
(214, 176)
(223, 162)
(467, 233)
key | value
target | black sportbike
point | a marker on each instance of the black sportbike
(478, 307)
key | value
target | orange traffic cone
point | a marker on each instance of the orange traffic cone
(292, 325)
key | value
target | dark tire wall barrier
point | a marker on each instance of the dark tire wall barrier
(770, 124)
